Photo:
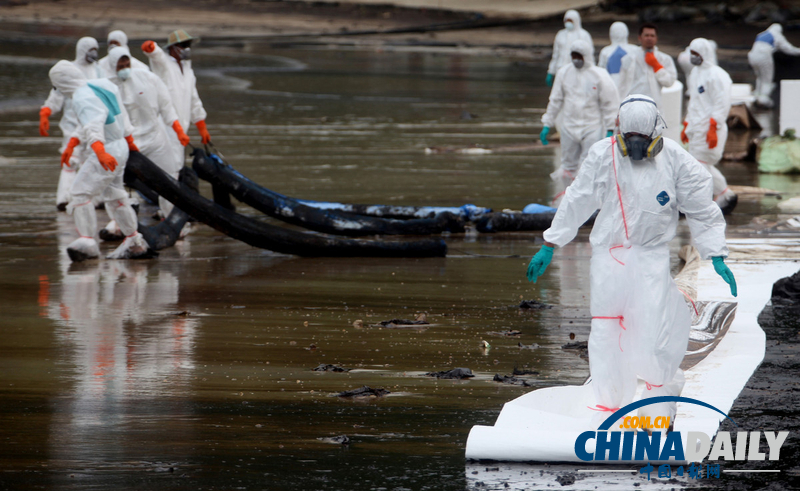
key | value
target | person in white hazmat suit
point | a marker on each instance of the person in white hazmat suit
(117, 39)
(86, 61)
(705, 128)
(760, 58)
(586, 99)
(640, 181)
(151, 112)
(175, 70)
(561, 46)
(104, 126)
(612, 55)
(646, 69)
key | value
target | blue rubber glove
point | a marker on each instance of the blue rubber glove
(609, 133)
(723, 270)
(539, 263)
(543, 135)
(549, 79)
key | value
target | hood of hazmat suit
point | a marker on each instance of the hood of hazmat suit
(685, 62)
(634, 116)
(564, 39)
(705, 49)
(611, 56)
(90, 70)
(151, 112)
(574, 17)
(640, 321)
(109, 69)
(709, 88)
(119, 37)
(67, 78)
(618, 32)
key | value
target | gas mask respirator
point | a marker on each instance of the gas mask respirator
(638, 146)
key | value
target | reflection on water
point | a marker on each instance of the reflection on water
(194, 370)
(126, 357)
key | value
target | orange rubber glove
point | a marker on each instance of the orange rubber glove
(201, 127)
(131, 146)
(684, 138)
(711, 137)
(148, 46)
(182, 137)
(108, 162)
(650, 59)
(44, 120)
(71, 144)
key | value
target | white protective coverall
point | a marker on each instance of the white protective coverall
(637, 77)
(709, 98)
(151, 112)
(108, 68)
(182, 86)
(106, 121)
(564, 39)
(57, 101)
(760, 58)
(640, 321)
(612, 55)
(587, 101)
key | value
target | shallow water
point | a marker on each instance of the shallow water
(194, 370)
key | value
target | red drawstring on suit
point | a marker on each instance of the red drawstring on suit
(619, 192)
(694, 306)
(650, 386)
(619, 196)
(603, 408)
(612, 255)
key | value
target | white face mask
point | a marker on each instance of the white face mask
(124, 74)
(578, 63)
(696, 60)
(186, 54)
(111, 47)
(569, 25)
(91, 56)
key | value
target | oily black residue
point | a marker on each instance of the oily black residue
(770, 402)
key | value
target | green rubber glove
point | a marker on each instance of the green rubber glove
(543, 135)
(549, 79)
(723, 270)
(539, 263)
(609, 133)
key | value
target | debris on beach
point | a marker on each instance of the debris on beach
(330, 368)
(365, 391)
(511, 380)
(534, 305)
(336, 440)
(580, 347)
(456, 373)
(506, 333)
(420, 320)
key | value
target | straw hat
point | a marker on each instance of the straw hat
(179, 36)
